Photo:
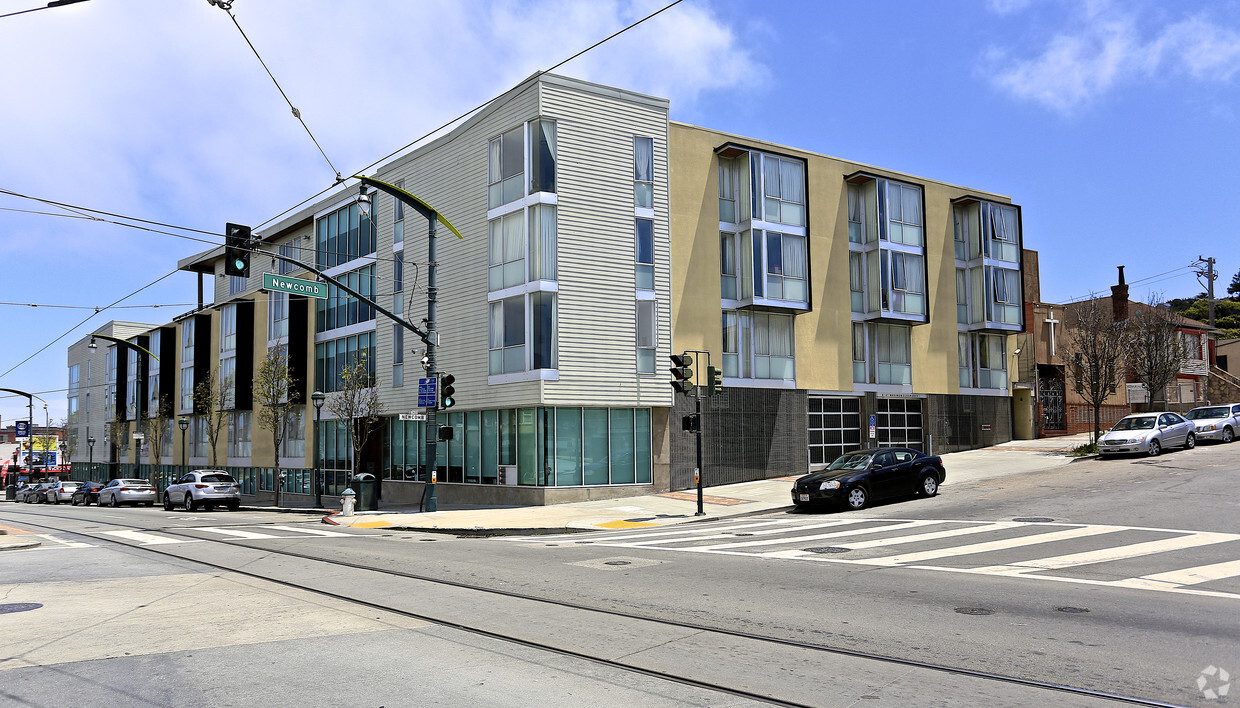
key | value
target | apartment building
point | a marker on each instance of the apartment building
(846, 305)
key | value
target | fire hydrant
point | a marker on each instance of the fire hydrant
(348, 498)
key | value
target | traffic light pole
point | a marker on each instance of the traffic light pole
(697, 474)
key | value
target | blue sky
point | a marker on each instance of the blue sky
(1111, 123)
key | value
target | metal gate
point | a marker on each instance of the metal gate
(1050, 394)
(834, 427)
(899, 422)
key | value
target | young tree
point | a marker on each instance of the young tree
(156, 428)
(212, 397)
(1095, 351)
(357, 401)
(275, 401)
(1234, 288)
(1156, 350)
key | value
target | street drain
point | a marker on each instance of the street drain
(1032, 519)
(19, 607)
(1072, 610)
(974, 611)
(617, 563)
(828, 549)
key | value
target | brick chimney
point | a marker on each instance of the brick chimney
(1119, 299)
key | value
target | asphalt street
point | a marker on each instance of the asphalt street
(1116, 576)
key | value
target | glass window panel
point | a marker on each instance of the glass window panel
(473, 447)
(645, 241)
(488, 461)
(622, 446)
(594, 445)
(641, 446)
(544, 329)
(568, 461)
(542, 156)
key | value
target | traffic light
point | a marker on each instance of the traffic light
(714, 381)
(682, 375)
(691, 423)
(237, 250)
(447, 392)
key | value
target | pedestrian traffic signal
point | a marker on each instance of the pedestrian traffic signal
(447, 392)
(714, 381)
(682, 375)
(237, 250)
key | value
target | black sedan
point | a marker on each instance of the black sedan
(856, 478)
(86, 493)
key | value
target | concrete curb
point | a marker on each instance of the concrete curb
(19, 545)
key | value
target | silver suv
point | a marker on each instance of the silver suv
(1216, 422)
(204, 488)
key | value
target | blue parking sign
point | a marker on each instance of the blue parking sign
(21, 429)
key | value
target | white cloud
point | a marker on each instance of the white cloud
(1110, 48)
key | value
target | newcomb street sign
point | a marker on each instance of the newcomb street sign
(295, 286)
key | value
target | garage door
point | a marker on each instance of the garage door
(899, 422)
(834, 427)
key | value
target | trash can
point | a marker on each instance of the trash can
(367, 488)
(10, 492)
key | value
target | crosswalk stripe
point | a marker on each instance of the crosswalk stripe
(233, 532)
(812, 537)
(60, 543)
(1186, 576)
(678, 531)
(148, 539)
(312, 532)
(992, 545)
(1105, 555)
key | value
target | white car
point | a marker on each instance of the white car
(1149, 434)
(127, 491)
(1216, 422)
(205, 488)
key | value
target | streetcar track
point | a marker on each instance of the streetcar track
(706, 685)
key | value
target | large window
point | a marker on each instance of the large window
(727, 265)
(783, 185)
(228, 355)
(131, 384)
(727, 190)
(239, 434)
(904, 214)
(277, 315)
(983, 360)
(758, 345)
(882, 353)
(542, 155)
(856, 281)
(907, 283)
(508, 333)
(785, 267)
(643, 172)
(332, 357)
(398, 216)
(398, 355)
(187, 365)
(343, 235)
(398, 282)
(507, 251)
(1005, 284)
(506, 167)
(341, 309)
(288, 250)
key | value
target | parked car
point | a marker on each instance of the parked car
(25, 490)
(1148, 433)
(60, 492)
(1216, 422)
(205, 488)
(127, 491)
(38, 493)
(856, 478)
(86, 493)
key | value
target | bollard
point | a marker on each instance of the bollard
(347, 499)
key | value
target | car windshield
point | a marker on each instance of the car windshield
(1142, 423)
(854, 461)
(1207, 413)
(217, 478)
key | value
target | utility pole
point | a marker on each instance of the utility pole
(1210, 277)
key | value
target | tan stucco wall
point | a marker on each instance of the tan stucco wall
(824, 334)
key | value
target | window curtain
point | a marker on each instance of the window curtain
(794, 257)
(493, 162)
(792, 181)
(514, 238)
(780, 338)
(645, 324)
(643, 159)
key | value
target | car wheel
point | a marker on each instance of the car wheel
(56, 500)
(73, 501)
(1190, 442)
(857, 498)
(233, 506)
(1228, 435)
(929, 485)
(1155, 448)
(190, 504)
(113, 503)
(167, 503)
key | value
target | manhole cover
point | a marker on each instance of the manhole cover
(618, 563)
(1072, 610)
(1032, 519)
(19, 607)
(828, 549)
(974, 611)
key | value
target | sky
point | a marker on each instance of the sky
(1112, 123)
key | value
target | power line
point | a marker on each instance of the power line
(96, 308)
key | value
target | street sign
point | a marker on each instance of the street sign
(873, 426)
(295, 286)
(428, 389)
(21, 429)
(413, 416)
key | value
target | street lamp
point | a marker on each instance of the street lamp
(90, 447)
(183, 423)
(47, 425)
(317, 397)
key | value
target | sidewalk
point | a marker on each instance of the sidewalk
(1016, 457)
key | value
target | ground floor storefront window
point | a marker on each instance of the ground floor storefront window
(541, 446)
